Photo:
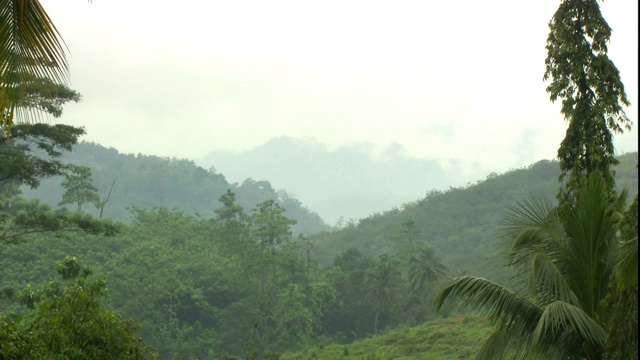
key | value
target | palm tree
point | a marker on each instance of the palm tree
(424, 267)
(383, 287)
(30, 48)
(569, 257)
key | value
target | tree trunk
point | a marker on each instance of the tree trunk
(375, 323)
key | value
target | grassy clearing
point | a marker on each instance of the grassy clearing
(457, 337)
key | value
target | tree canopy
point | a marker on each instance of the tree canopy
(592, 93)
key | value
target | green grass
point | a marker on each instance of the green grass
(452, 338)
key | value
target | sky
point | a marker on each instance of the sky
(440, 79)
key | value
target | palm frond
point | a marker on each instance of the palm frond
(528, 244)
(626, 268)
(531, 212)
(561, 318)
(548, 282)
(536, 228)
(30, 47)
(494, 347)
(503, 306)
(593, 225)
(501, 346)
(30, 42)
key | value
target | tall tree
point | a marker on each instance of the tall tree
(271, 232)
(232, 225)
(21, 160)
(384, 286)
(409, 238)
(592, 93)
(569, 253)
(79, 188)
(593, 100)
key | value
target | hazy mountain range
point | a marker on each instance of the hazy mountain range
(349, 182)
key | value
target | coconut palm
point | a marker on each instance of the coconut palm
(384, 285)
(30, 48)
(569, 259)
(424, 267)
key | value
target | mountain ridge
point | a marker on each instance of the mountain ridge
(361, 177)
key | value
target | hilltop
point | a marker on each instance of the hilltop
(147, 181)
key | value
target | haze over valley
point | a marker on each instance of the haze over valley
(349, 182)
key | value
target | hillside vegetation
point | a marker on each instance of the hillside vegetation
(225, 285)
(457, 337)
(150, 181)
(462, 224)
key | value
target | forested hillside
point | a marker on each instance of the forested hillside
(238, 282)
(462, 224)
(147, 181)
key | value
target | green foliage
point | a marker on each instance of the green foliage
(27, 217)
(348, 314)
(234, 286)
(622, 342)
(425, 267)
(67, 320)
(44, 95)
(151, 181)
(568, 256)
(294, 319)
(462, 225)
(442, 339)
(30, 48)
(79, 188)
(384, 286)
(30, 155)
(592, 93)
(626, 269)
(33, 153)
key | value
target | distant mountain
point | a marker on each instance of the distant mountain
(351, 182)
(151, 181)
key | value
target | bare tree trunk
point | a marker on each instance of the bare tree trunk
(104, 202)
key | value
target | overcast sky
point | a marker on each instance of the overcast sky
(446, 79)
